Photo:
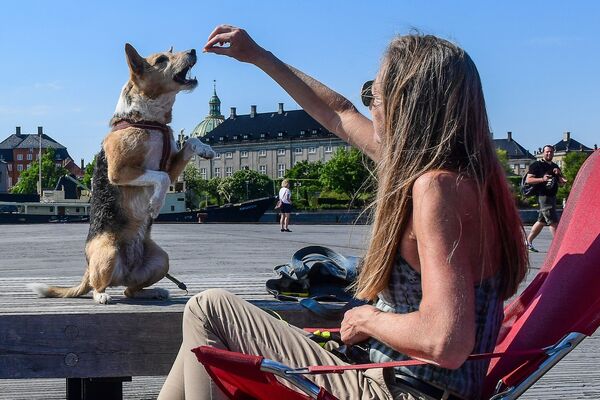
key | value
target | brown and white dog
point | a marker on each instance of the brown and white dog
(137, 163)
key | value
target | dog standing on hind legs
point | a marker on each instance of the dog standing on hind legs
(137, 163)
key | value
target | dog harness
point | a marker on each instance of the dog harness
(166, 131)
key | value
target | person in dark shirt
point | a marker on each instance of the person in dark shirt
(546, 176)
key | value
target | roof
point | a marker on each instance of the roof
(30, 141)
(513, 149)
(294, 124)
(207, 125)
(570, 145)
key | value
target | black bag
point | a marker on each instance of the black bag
(316, 274)
(528, 190)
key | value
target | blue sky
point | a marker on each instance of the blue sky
(63, 62)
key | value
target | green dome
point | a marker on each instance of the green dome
(206, 126)
(214, 117)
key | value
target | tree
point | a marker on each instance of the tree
(346, 172)
(245, 185)
(571, 164)
(304, 176)
(28, 179)
(89, 173)
(194, 186)
(503, 158)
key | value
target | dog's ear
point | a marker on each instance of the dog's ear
(134, 60)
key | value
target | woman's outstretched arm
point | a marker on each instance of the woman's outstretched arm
(330, 109)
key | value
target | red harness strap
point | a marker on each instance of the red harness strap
(166, 131)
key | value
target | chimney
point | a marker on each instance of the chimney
(82, 165)
(595, 147)
(509, 136)
(252, 111)
(566, 136)
(233, 114)
(280, 110)
(40, 130)
(18, 130)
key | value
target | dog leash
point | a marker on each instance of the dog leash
(179, 284)
(166, 131)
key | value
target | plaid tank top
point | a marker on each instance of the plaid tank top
(404, 295)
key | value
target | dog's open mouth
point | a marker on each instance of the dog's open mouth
(184, 77)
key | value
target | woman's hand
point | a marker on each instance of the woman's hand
(353, 329)
(241, 46)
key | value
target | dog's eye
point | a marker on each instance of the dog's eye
(161, 60)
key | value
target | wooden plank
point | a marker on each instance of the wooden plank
(107, 344)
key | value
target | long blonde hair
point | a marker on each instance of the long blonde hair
(435, 118)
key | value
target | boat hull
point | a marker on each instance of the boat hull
(249, 211)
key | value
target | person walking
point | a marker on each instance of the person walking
(547, 177)
(285, 196)
(433, 267)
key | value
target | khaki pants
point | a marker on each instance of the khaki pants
(220, 319)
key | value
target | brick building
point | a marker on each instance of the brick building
(20, 150)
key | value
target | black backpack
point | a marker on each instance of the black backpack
(528, 190)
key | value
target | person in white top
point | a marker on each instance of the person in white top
(285, 196)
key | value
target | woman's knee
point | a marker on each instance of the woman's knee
(207, 302)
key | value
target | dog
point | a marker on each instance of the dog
(137, 163)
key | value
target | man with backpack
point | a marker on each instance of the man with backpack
(545, 177)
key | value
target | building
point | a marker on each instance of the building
(565, 146)
(213, 119)
(3, 176)
(19, 151)
(269, 143)
(518, 157)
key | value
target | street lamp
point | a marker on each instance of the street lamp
(247, 192)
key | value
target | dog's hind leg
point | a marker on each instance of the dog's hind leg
(103, 263)
(154, 267)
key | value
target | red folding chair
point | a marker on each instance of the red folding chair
(558, 309)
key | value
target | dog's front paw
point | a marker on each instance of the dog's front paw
(102, 298)
(201, 149)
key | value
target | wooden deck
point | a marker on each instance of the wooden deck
(237, 257)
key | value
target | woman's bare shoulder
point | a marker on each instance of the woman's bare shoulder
(448, 187)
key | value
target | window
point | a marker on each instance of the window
(281, 152)
(328, 149)
(280, 170)
(218, 155)
(263, 135)
(244, 154)
(58, 165)
(280, 134)
(245, 167)
(312, 150)
(203, 173)
(29, 157)
(302, 132)
(19, 157)
(245, 137)
(228, 171)
(28, 165)
(262, 169)
(298, 150)
(235, 137)
(262, 153)
(522, 166)
(217, 172)
(229, 155)
(19, 167)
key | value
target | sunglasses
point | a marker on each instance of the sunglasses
(366, 93)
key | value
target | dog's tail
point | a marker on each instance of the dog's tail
(44, 290)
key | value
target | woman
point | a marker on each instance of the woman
(285, 196)
(433, 265)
